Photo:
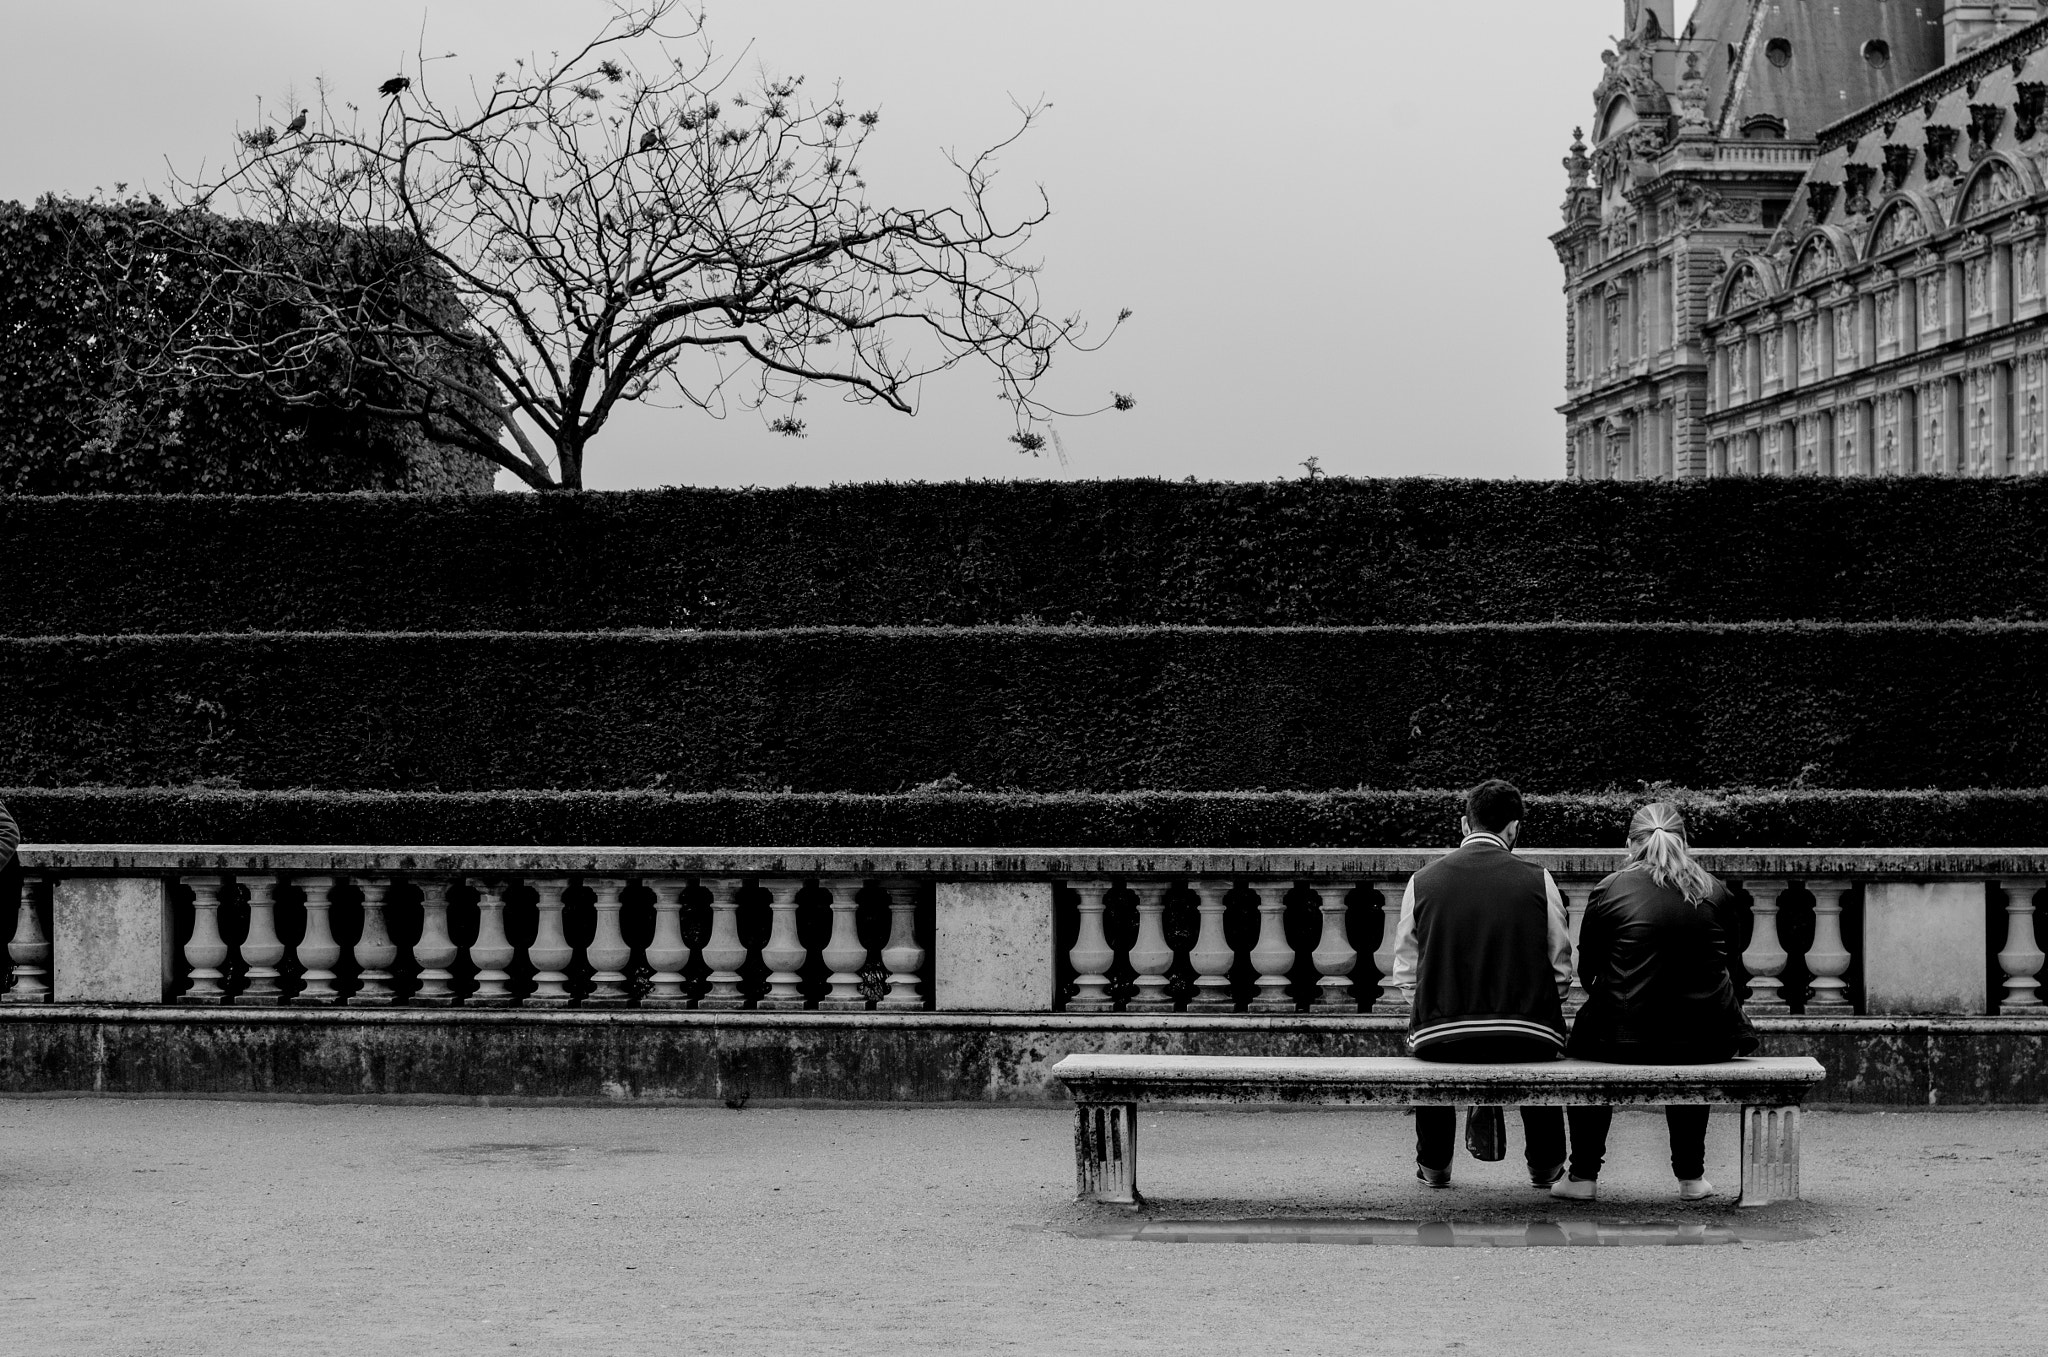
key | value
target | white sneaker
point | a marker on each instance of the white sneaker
(1694, 1189)
(1576, 1189)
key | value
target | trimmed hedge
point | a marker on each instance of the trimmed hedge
(1971, 819)
(90, 295)
(1329, 552)
(1555, 707)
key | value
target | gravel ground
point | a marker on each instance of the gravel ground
(235, 1227)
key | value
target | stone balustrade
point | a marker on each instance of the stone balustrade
(1833, 933)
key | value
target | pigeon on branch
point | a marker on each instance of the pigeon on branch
(297, 124)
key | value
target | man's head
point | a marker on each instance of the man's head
(1494, 807)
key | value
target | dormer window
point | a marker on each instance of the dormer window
(1619, 117)
(1763, 127)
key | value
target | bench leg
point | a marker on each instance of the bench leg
(1106, 1153)
(1770, 1155)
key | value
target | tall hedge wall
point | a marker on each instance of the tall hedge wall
(91, 294)
(1556, 707)
(1123, 553)
(1833, 819)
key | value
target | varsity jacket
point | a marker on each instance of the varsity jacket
(1483, 949)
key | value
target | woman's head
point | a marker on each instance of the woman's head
(1656, 843)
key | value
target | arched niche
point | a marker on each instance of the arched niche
(1618, 116)
(1750, 281)
(1998, 181)
(1903, 219)
(1822, 253)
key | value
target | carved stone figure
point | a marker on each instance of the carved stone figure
(1898, 163)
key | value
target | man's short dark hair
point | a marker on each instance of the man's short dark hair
(1493, 805)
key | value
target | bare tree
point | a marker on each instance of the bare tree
(628, 223)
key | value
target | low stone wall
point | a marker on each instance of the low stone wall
(656, 1058)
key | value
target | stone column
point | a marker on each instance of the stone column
(318, 951)
(1828, 959)
(667, 951)
(1577, 895)
(608, 953)
(1151, 956)
(205, 953)
(785, 952)
(905, 959)
(1335, 957)
(1765, 956)
(1211, 956)
(262, 950)
(29, 951)
(724, 953)
(375, 952)
(1091, 955)
(550, 952)
(435, 951)
(844, 956)
(492, 951)
(2020, 960)
(1390, 1000)
(1273, 958)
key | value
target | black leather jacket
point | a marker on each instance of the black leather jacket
(1658, 972)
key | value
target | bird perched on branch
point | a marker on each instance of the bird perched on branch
(297, 124)
(394, 87)
(649, 139)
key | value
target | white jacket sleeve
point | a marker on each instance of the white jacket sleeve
(1403, 977)
(1560, 937)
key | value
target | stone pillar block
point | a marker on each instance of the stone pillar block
(993, 947)
(1925, 948)
(112, 937)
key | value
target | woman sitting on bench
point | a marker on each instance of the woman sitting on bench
(1654, 958)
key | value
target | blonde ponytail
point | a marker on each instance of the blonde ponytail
(1656, 843)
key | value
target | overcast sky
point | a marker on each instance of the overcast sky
(1331, 218)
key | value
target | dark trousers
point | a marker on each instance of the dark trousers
(1687, 1124)
(1436, 1137)
(1436, 1128)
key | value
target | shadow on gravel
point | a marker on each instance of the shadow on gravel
(1438, 1234)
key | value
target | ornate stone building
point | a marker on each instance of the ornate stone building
(1801, 240)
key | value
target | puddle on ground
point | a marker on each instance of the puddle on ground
(1437, 1234)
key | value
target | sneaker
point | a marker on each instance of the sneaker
(1430, 1177)
(1694, 1189)
(1540, 1178)
(1576, 1189)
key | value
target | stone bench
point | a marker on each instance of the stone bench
(1108, 1088)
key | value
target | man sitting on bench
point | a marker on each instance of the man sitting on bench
(1484, 957)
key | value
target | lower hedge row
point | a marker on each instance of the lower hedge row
(1556, 707)
(1982, 819)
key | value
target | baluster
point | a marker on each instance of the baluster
(1335, 957)
(1272, 958)
(1151, 955)
(724, 953)
(375, 952)
(1211, 956)
(262, 950)
(667, 953)
(1091, 955)
(1577, 896)
(1765, 956)
(1828, 959)
(2020, 958)
(844, 956)
(205, 951)
(608, 952)
(492, 951)
(318, 951)
(435, 951)
(1389, 1000)
(550, 953)
(784, 953)
(903, 957)
(29, 950)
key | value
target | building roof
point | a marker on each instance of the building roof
(1810, 64)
